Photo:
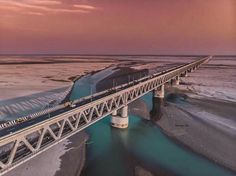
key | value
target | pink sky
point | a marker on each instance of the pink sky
(118, 27)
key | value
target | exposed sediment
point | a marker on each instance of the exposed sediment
(203, 125)
(72, 162)
(21, 75)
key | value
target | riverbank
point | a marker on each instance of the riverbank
(206, 126)
(200, 112)
(216, 79)
(26, 75)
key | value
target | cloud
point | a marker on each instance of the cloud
(87, 7)
(43, 2)
(43, 6)
(34, 13)
(5, 7)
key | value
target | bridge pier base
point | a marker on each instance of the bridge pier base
(120, 120)
(175, 81)
(159, 92)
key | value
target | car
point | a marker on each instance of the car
(72, 105)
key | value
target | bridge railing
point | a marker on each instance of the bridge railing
(27, 143)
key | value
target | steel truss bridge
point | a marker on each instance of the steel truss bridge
(20, 146)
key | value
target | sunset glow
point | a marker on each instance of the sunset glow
(118, 27)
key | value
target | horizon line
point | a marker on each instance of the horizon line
(77, 54)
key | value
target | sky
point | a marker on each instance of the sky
(118, 27)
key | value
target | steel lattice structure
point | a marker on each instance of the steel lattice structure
(18, 147)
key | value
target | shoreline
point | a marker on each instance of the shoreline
(182, 143)
(187, 147)
(204, 146)
(19, 79)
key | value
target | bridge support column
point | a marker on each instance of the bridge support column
(190, 70)
(159, 92)
(185, 74)
(114, 113)
(120, 120)
(176, 81)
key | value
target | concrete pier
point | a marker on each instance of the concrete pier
(190, 70)
(114, 113)
(175, 81)
(159, 92)
(185, 74)
(121, 119)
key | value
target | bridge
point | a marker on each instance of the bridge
(26, 140)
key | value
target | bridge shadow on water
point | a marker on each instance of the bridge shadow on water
(156, 113)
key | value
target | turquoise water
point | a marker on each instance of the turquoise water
(117, 152)
(87, 84)
(83, 87)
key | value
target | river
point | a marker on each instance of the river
(123, 152)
